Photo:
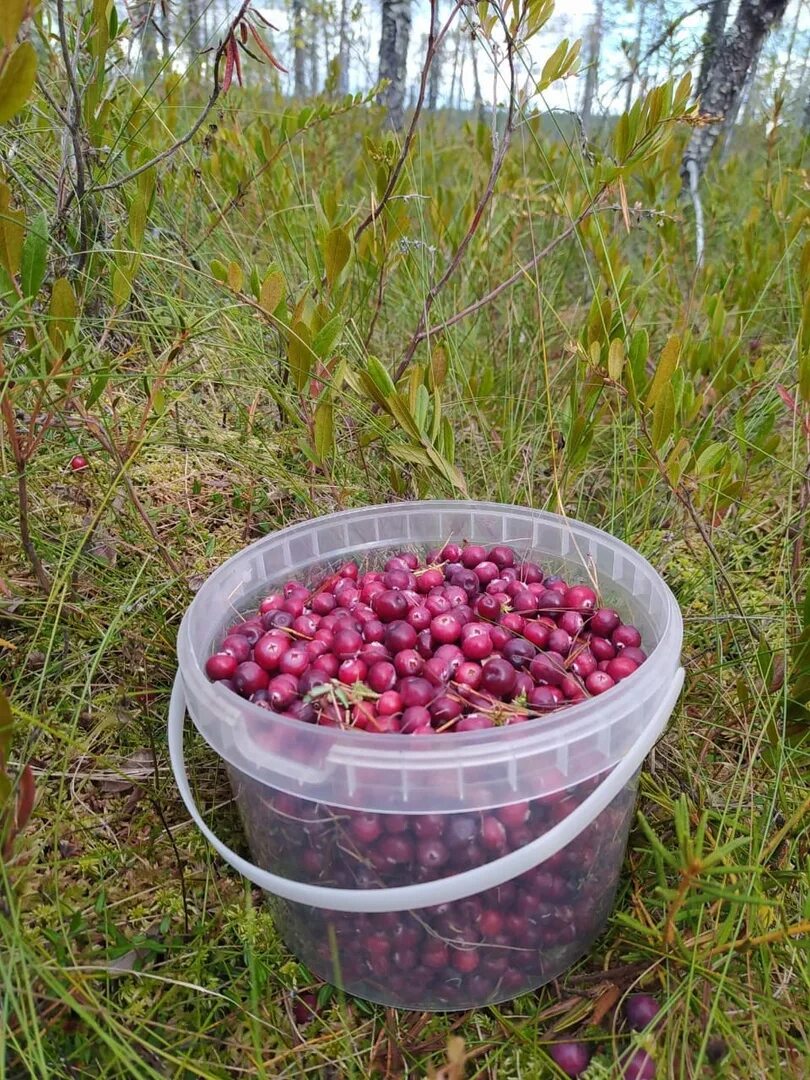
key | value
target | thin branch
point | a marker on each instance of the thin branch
(518, 275)
(74, 127)
(198, 123)
(422, 329)
(433, 43)
(660, 41)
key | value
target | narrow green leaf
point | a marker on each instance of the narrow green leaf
(380, 377)
(137, 220)
(336, 254)
(324, 340)
(234, 276)
(668, 362)
(17, 80)
(615, 362)
(34, 256)
(11, 17)
(62, 313)
(219, 270)
(273, 291)
(12, 232)
(323, 429)
(300, 354)
(121, 286)
(663, 417)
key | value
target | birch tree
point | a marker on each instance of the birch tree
(394, 39)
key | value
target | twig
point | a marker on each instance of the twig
(518, 275)
(74, 127)
(433, 43)
(422, 329)
(195, 127)
(664, 37)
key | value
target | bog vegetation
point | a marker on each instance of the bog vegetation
(222, 310)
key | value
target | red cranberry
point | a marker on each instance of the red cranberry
(604, 621)
(601, 648)
(396, 850)
(419, 618)
(638, 656)
(431, 854)
(464, 960)
(498, 678)
(428, 579)
(328, 663)
(346, 644)
(249, 677)
(416, 716)
(352, 671)
(322, 603)
(537, 633)
(238, 646)
(445, 628)
(474, 722)
(282, 690)
(389, 703)
(487, 607)
(598, 682)
(640, 1010)
(545, 697)
(486, 572)
(468, 674)
(390, 605)
(638, 1066)
(221, 665)
(572, 622)
(450, 553)
(572, 688)
(623, 636)
(294, 661)
(271, 602)
(502, 556)
(408, 662)
(78, 462)
(305, 1008)
(400, 635)
(547, 668)
(572, 1058)
(620, 668)
(445, 710)
(559, 642)
(584, 663)
(374, 653)
(519, 652)
(382, 676)
(549, 601)
(513, 815)
(493, 833)
(476, 643)
(472, 555)
(416, 691)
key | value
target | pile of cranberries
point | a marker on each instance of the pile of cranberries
(467, 639)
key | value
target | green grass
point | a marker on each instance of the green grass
(127, 949)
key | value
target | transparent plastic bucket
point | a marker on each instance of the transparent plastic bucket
(532, 818)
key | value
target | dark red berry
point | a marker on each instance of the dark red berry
(572, 1058)
(221, 665)
(640, 1010)
(78, 462)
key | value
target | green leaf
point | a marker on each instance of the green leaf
(219, 270)
(34, 256)
(713, 456)
(421, 407)
(255, 282)
(234, 276)
(273, 291)
(615, 361)
(97, 389)
(12, 232)
(668, 362)
(380, 377)
(121, 286)
(6, 728)
(621, 137)
(336, 254)
(137, 220)
(300, 354)
(11, 17)
(17, 80)
(326, 337)
(438, 367)
(323, 425)
(551, 68)
(663, 417)
(61, 312)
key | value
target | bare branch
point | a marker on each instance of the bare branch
(74, 119)
(434, 41)
(198, 123)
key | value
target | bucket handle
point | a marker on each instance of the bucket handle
(444, 890)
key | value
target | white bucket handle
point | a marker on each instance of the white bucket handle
(454, 887)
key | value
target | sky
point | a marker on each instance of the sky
(571, 19)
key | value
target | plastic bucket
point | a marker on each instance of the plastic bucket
(532, 819)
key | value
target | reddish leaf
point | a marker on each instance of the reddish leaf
(26, 795)
(230, 54)
(266, 51)
(237, 62)
(243, 32)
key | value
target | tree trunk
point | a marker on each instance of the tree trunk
(594, 47)
(712, 40)
(453, 77)
(299, 54)
(312, 50)
(435, 78)
(635, 55)
(194, 40)
(343, 48)
(396, 32)
(730, 65)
